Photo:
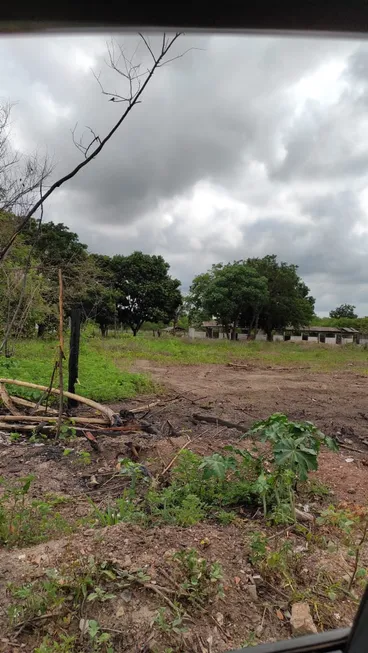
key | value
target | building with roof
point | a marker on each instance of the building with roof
(322, 334)
(325, 334)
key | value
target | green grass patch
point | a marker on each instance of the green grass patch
(99, 378)
(25, 521)
(124, 349)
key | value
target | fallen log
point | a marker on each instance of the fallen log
(111, 416)
(30, 404)
(53, 418)
(47, 429)
(217, 420)
(5, 426)
(7, 401)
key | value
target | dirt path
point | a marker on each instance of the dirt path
(336, 402)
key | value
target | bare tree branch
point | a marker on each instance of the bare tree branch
(147, 46)
(20, 176)
(136, 88)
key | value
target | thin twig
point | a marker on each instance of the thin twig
(155, 589)
(275, 589)
(175, 457)
(190, 441)
(357, 555)
(28, 622)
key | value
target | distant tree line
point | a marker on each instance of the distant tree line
(117, 290)
(137, 291)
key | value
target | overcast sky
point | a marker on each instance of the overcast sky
(245, 146)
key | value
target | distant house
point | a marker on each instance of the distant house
(324, 334)
(212, 329)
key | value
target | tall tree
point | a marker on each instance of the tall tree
(146, 292)
(100, 298)
(194, 301)
(235, 290)
(289, 302)
(21, 294)
(55, 246)
(345, 310)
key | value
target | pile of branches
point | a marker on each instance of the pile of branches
(26, 416)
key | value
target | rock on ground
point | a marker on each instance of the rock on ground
(301, 620)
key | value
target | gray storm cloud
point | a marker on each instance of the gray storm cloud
(245, 146)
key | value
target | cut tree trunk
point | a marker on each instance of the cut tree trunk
(74, 353)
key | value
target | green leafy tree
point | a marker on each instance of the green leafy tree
(194, 301)
(289, 302)
(21, 293)
(56, 247)
(235, 290)
(145, 291)
(100, 297)
(344, 311)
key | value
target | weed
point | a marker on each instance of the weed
(60, 594)
(172, 506)
(100, 594)
(24, 521)
(37, 437)
(123, 510)
(64, 644)
(169, 624)
(203, 487)
(258, 547)
(251, 640)
(198, 579)
(296, 445)
(352, 522)
(278, 564)
(14, 437)
(134, 471)
(84, 457)
(316, 488)
(68, 432)
(295, 449)
(225, 517)
(100, 640)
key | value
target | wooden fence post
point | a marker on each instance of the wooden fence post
(75, 326)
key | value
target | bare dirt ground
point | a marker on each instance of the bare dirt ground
(336, 403)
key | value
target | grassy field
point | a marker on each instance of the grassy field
(125, 349)
(100, 379)
(104, 368)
